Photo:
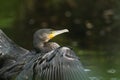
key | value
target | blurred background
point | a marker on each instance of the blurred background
(94, 29)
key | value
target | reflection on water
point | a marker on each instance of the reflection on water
(102, 67)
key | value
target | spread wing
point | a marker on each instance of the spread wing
(9, 53)
(9, 48)
(59, 64)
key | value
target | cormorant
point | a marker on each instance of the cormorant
(48, 61)
(41, 38)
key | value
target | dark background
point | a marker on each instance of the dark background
(94, 27)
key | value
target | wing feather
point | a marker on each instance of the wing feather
(60, 64)
(9, 53)
(9, 48)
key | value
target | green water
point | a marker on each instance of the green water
(102, 67)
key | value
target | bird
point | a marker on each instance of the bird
(47, 61)
(41, 38)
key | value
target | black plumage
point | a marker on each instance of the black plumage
(48, 61)
(59, 64)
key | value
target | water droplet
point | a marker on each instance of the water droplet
(87, 70)
(89, 25)
(112, 71)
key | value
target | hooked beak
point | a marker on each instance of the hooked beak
(57, 32)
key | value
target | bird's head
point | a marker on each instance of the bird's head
(46, 34)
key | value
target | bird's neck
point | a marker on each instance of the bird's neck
(38, 45)
(44, 47)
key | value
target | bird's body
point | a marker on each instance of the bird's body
(48, 61)
(58, 64)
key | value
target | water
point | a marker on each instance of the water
(102, 67)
